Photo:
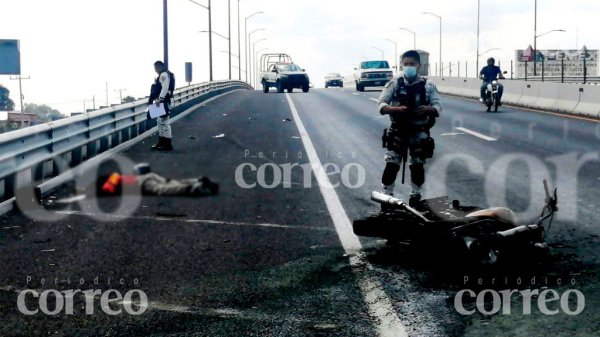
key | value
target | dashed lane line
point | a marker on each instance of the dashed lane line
(477, 134)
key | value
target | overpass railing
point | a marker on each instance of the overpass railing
(34, 154)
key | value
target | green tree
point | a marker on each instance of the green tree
(44, 112)
(6, 104)
(128, 99)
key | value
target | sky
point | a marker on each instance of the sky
(73, 49)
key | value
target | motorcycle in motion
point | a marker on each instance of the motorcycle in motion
(492, 97)
(446, 229)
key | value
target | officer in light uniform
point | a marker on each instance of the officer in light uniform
(162, 92)
(413, 103)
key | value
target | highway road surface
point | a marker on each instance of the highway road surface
(273, 253)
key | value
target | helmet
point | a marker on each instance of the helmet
(142, 168)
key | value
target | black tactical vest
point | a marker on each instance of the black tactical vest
(407, 95)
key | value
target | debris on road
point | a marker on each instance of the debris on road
(171, 214)
(219, 136)
(11, 227)
(70, 200)
(287, 120)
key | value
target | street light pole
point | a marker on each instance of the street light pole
(382, 53)
(210, 45)
(478, 23)
(249, 56)
(256, 63)
(439, 17)
(535, 40)
(165, 34)
(229, 21)
(247, 37)
(395, 53)
(253, 76)
(414, 37)
(210, 58)
(239, 24)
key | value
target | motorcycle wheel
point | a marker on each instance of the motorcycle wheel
(495, 103)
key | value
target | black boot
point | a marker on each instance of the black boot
(164, 144)
(415, 201)
(205, 187)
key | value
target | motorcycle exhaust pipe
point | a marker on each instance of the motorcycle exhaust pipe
(518, 230)
(388, 199)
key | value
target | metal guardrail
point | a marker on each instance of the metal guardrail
(566, 79)
(36, 153)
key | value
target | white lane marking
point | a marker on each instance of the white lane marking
(355, 94)
(477, 134)
(378, 303)
(194, 221)
(452, 134)
(374, 99)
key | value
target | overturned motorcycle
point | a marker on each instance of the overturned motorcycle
(441, 228)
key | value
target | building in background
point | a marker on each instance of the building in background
(553, 60)
(14, 120)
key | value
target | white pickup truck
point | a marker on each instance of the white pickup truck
(372, 74)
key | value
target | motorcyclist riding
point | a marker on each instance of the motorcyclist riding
(491, 73)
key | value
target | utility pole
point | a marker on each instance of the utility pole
(535, 41)
(210, 46)
(166, 33)
(21, 78)
(478, 23)
(107, 102)
(247, 38)
(229, 20)
(210, 58)
(120, 91)
(239, 25)
(440, 18)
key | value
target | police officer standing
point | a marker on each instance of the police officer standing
(162, 92)
(413, 104)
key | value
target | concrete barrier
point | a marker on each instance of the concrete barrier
(473, 88)
(549, 93)
(531, 93)
(568, 98)
(589, 102)
(513, 91)
(578, 99)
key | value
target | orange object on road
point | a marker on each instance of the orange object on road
(110, 186)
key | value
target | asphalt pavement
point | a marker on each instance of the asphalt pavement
(268, 260)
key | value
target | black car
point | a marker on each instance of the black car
(334, 80)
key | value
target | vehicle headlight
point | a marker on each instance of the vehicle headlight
(364, 76)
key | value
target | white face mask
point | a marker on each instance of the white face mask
(410, 72)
